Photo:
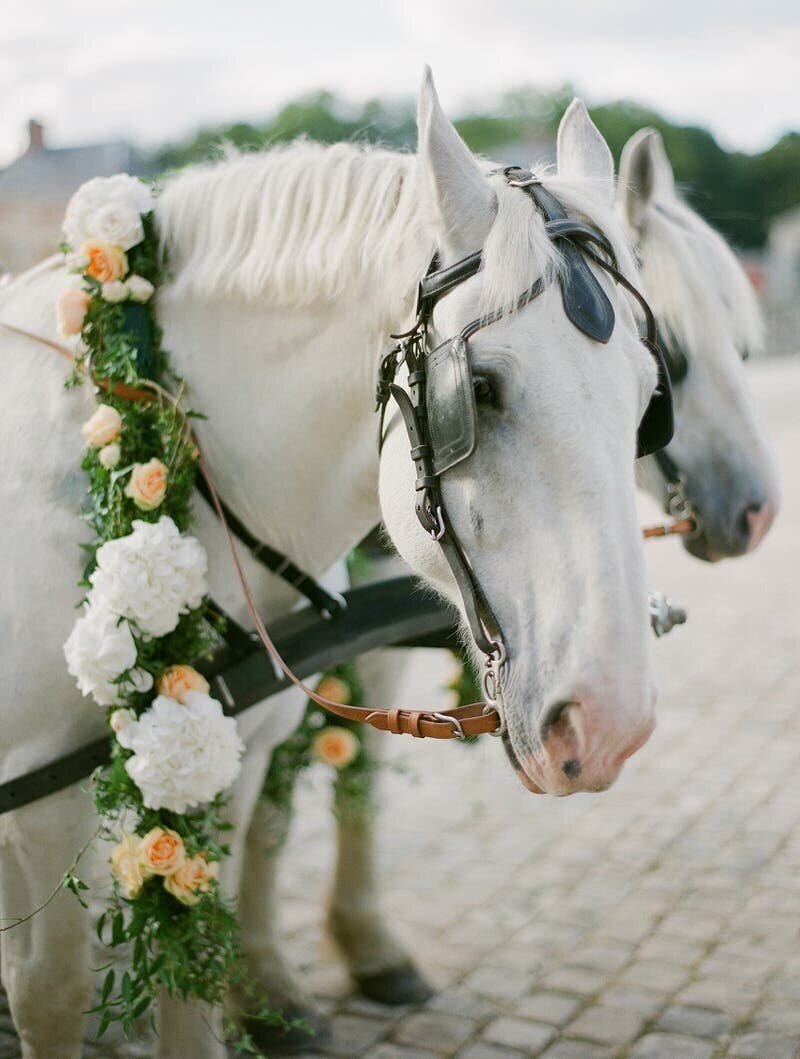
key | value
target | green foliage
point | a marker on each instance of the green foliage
(192, 952)
(352, 783)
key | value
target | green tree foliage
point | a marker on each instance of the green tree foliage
(737, 193)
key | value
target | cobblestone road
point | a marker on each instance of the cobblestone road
(657, 921)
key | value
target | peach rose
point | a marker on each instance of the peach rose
(192, 879)
(334, 689)
(177, 680)
(103, 426)
(107, 261)
(109, 455)
(148, 484)
(161, 851)
(70, 311)
(335, 746)
(127, 868)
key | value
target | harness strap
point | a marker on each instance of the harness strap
(328, 604)
(432, 513)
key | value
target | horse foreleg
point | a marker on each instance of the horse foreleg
(46, 960)
(380, 966)
(264, 957)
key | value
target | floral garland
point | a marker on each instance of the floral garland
(337, 743)
(144, 619)
(340, 744)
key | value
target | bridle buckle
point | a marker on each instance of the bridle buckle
(458, 731)
(439, 529)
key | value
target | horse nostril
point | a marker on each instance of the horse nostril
(551, 716)
(746, 519)
(757, 520)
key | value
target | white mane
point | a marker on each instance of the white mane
(301, 223)
(698, 287)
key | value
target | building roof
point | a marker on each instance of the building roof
(53, 174)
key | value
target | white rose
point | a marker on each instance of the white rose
(119, 223)
(141, 679)
(114, 291)
(183, 755)
(151, 576)
(109, 455)
(120, 719)
(139, 288)
(99, 649)
(85, 217)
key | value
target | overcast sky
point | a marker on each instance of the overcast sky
(151, 70)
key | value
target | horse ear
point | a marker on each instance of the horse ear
(582, 152)
(462, 197)
(644, 174)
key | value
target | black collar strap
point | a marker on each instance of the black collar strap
(327, 604)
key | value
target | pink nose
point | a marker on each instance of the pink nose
(584, 751)
(759, 520)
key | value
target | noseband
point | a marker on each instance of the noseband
(439, 407)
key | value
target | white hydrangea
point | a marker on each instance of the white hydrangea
(108, 209)
(183, 755)
(99, 649)
(151, 576)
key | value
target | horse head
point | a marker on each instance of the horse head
(543, 505)
(709, 321)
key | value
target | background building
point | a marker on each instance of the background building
(35, 189)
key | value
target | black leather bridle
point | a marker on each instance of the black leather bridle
(439, 408)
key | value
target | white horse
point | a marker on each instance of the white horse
(289, 269)
(706, 306)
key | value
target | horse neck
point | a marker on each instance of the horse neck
(290, 434)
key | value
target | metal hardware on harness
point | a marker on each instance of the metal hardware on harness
(492, 687)
(679, 504)
(664, 615)
(458, 730)
(439, 532)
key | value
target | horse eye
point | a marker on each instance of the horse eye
(486, 396)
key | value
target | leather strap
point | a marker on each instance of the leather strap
(436, 284)
(461, 723)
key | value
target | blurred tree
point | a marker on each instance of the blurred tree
(736, 193)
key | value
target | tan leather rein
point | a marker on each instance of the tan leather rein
(464, 721)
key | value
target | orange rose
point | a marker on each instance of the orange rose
(70, 311)
(148, 484)
(335, 746)
(161, 851)
(177, 680)
(103, 426)
(127, 868)
(107, 261)
(192, 879)
(334, 689)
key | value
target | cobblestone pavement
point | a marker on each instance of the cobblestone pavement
(659, 920)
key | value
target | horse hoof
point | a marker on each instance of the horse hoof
(396, 986)
(314, 1036)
